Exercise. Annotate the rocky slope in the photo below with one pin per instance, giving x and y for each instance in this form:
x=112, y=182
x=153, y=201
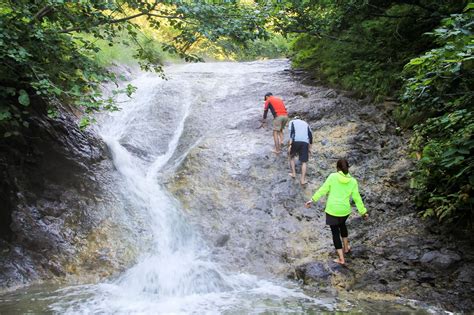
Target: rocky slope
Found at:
x=395, y=252
x=240, y=196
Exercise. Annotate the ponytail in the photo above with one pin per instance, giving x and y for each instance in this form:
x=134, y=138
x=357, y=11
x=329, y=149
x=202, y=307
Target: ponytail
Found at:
x=343, y=166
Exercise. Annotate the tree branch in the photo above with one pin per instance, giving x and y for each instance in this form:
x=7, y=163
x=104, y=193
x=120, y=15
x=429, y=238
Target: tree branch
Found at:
x=41, y=13
x=173, y=17
x=78, y=28
x=115, y=21
x=313, y=33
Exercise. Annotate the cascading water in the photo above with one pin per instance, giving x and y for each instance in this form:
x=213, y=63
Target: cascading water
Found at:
x=176, y=275
x=175, y=265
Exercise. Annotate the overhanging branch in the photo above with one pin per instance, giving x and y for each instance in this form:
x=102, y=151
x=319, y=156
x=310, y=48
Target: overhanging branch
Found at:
x=114, y=21
x=41, y=13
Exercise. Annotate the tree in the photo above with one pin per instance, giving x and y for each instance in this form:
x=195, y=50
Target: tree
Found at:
x=46, y=57
x=361, y=45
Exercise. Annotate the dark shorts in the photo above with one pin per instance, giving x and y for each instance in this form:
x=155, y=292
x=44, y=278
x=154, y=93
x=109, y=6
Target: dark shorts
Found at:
x=301, y=149
x=332, y=220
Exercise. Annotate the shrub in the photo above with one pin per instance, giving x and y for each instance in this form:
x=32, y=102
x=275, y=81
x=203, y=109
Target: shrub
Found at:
x=438, y=98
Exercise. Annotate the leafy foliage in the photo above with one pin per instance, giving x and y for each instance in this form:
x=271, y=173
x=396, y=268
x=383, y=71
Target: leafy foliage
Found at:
x=275, y=47
x=47, y=47
x=438, y=97
x=361, y=45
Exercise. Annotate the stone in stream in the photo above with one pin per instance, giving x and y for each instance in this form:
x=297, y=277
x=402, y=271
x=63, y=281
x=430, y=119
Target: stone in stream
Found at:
x=324, y=274
x=222, y=240
x=313, y=272
x=331, y=94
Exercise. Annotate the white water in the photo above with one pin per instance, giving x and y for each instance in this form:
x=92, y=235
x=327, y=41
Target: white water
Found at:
x=176, y=275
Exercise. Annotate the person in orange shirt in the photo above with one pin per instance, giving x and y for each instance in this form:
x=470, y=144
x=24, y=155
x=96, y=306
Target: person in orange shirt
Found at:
x=280, y=118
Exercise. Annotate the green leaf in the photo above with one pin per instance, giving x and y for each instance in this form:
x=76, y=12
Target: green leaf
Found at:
x=84, y=123
x=5, y=114
x=470, y=6
x=416, y=61
x=23, y=98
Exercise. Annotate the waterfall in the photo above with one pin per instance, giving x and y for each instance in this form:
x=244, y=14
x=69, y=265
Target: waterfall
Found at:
x=176, y=275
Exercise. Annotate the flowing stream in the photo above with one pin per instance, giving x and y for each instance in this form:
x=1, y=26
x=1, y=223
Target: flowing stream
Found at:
x=176, y=275
x=176, y=272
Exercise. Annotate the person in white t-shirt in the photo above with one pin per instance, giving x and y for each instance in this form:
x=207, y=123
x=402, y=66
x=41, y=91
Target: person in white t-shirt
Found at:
x=300, y=143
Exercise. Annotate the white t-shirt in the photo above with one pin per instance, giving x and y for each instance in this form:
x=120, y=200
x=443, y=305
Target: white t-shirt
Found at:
x=300, y=131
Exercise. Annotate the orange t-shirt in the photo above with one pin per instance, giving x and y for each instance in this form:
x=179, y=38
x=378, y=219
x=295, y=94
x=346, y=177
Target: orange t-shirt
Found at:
x=276, y=106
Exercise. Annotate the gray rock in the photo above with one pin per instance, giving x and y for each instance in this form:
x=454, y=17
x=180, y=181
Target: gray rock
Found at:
x=411, y=274
x=313, y=272
x=466, y=274
x=436, y=259
x=331, y=94
x=222, y=240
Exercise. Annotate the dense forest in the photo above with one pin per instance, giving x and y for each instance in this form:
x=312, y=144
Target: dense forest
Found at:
x=416, y=51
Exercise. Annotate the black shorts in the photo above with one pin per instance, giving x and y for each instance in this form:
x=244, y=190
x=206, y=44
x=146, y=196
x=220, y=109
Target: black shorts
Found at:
x=301, y=149
x=332, y=220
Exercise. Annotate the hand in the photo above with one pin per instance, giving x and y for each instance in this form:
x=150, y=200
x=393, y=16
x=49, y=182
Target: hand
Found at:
x=308, y=204
x=365, y=216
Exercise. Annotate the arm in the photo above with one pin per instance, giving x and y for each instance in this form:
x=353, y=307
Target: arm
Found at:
x=320, y=192
x=265, y=110
x=292, y=132
x=290, y=141
x=358, y=201
x=310, y=136
x=323, y=190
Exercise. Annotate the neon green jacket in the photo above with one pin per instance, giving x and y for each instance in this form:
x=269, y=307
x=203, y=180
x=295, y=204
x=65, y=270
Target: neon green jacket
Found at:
x=340, y=188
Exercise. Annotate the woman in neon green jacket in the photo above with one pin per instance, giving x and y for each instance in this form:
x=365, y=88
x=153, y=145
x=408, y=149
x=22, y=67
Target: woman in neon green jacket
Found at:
x=341, y=186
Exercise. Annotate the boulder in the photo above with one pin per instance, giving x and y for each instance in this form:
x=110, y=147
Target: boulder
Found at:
x=439, y=260
x=313, y=272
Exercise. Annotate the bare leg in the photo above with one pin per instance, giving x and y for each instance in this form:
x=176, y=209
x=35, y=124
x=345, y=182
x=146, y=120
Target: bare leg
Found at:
x=277, y=141
x=303, y=173
x=340, y=254
x=281, y=138
x=293, y=167
x=345, y=245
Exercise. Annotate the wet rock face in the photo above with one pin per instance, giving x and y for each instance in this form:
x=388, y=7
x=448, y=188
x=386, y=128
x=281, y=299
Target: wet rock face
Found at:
x=53, y=204
x=231, y=184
